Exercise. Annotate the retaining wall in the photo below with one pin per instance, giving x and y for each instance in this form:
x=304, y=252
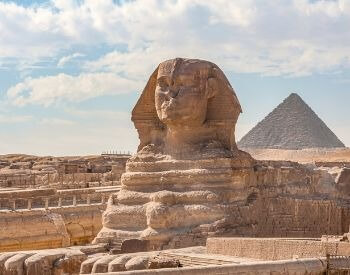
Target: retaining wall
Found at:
x=51, y=228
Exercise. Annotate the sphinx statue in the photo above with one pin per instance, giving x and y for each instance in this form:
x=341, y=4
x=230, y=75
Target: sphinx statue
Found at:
x=187, y=170
x=189, y=181
x=187, y=105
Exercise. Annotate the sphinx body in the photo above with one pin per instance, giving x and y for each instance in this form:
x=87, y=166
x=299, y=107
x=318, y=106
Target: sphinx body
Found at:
x=188, y=171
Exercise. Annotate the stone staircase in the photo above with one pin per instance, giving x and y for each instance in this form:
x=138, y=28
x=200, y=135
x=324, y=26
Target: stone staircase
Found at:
x=116, y=246
x=192, y=261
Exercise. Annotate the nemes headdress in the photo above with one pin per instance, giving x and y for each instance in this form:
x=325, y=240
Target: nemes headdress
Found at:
x=222, y=111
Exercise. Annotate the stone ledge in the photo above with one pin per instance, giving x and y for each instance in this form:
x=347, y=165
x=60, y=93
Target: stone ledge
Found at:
x=276, y=249
x=296, y=267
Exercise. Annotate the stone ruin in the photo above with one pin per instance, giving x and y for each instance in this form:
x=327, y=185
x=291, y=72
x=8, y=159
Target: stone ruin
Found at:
x=291, y=125
x=182, y=175
x=54, y=202
x=25, y=171
x=189, y=182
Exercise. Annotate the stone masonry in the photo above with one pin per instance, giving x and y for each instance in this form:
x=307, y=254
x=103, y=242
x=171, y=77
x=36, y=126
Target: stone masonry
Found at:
x=291, y=125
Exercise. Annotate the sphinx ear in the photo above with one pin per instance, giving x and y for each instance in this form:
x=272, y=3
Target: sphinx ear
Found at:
x=212, y=87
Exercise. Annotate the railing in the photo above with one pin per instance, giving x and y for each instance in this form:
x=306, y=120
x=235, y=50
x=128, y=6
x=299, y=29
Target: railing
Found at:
x=52, y=202
x=116, y=153
x=337, y=264
x=63, y=180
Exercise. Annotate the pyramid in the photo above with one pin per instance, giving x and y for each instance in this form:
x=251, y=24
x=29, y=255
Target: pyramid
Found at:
x=291, y=125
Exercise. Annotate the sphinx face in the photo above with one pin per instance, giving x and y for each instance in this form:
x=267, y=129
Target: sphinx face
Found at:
x=180, y=95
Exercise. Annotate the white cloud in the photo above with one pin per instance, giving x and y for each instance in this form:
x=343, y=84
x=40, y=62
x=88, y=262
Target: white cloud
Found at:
x=50, y=89
x=86, y=137
x=277, y=37
x=270, y=37
x=101, y=114
x=274, y=38
x=326, y=7
x=8, y=118
x=240, y=13
x=137, y=64
x=56, y=121
x=68, y=58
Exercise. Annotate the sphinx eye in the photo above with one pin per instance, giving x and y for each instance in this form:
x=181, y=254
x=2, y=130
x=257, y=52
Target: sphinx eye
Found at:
x=162, y=83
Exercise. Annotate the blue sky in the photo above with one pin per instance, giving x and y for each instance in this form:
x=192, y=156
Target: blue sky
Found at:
x=71, y=71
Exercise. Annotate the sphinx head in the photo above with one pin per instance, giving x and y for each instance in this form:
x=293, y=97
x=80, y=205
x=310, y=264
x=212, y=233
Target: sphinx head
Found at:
x=182, y=91
x=185, y=94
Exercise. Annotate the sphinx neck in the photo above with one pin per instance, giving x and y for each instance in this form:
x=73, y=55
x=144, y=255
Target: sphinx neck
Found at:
x=182, y=139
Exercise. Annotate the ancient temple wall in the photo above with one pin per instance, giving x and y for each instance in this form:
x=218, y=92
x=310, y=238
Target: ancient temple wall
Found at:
x=270, y=199
x=292, y=200
x=61, y=180
x=53, y=228
x=291, y=217
x=287, y=200
x=265, y=217
x=272, y=249
x=314, y=266
x=273, y=217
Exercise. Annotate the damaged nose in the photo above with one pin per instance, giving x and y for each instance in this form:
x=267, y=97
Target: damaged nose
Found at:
x=173, y=93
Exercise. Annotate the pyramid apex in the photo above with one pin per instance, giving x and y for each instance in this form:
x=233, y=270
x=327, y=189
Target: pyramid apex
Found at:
x=294, y=96
x=293, y=99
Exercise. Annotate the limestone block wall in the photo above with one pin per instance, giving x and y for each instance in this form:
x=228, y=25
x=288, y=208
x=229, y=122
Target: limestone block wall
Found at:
x=60, y=180
x=291, y=217
x=286, y=267
x=287, y=200
x=273, y=217
x=272, y=249
x=52, y=228
x=292, y=201
x=62, y=172
x=49, y=197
